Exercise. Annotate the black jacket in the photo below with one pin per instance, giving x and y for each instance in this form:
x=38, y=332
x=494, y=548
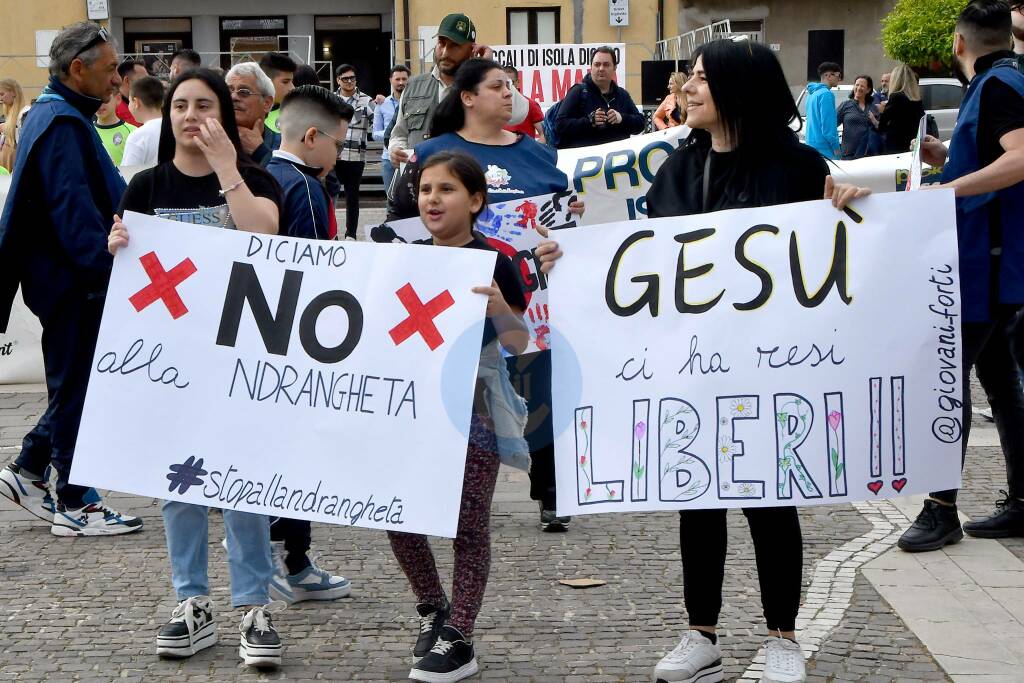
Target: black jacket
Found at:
x=899, y=122
x=574, y=123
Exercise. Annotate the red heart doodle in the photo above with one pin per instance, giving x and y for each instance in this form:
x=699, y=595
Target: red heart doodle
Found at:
x=875, y=486
x=898, y=484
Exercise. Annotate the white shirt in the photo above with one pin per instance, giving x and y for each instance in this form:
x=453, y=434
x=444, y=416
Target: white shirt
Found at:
x=143, y=144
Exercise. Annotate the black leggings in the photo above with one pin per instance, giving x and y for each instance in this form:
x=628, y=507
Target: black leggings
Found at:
x=778, y=548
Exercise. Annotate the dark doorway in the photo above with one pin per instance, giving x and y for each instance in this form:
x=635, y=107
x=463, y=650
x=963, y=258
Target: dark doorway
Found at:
x=355, y=39
x=824, y=46
x=153, y=39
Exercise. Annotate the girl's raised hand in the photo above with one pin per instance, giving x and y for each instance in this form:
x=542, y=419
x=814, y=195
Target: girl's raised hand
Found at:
x=217, y=147
x=118, y=236
x=496, y=304
x=548, y=252
x=577, y=208
x=842, y=194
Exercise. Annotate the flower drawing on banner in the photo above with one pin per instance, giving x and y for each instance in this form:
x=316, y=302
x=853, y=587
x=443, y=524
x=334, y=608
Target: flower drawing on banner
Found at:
x=584, y=469
x=639, y=431
x=740, y=407
x=835, y=418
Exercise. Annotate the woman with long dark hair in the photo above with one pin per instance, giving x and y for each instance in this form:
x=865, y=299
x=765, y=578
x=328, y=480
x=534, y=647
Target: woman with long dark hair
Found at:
x=859, y=118
x=204, y=178
x=741, y=154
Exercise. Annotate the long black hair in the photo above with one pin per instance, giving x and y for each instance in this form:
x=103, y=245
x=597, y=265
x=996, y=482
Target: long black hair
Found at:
x=462, y=166
x=871, y=88
x=227, y=113
x=450, y=115
x=755, y=110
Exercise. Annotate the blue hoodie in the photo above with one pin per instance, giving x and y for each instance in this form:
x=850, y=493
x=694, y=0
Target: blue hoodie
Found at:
x=822, y=131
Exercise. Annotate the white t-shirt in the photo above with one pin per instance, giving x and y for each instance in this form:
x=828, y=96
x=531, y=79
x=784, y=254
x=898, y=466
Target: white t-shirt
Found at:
x=143, y=144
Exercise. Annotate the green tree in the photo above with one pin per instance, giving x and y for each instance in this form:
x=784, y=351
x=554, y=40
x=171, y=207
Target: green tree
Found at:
x=919, y=32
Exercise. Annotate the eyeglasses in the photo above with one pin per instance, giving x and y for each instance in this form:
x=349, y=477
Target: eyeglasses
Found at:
x=242, y=92
x=338, y=144
x=101, y=37
x=346, y=79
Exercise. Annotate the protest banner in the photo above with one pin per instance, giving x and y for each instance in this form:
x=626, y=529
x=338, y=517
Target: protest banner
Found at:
x=546, y=72
x=21, y=358
x=511, y=228
x=613, y=179
x=787, y=355
x=286, y=377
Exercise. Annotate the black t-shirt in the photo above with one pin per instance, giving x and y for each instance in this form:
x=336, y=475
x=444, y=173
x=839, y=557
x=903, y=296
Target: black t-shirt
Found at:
x=1001, y=111
x=508, y=283
x=795, y=173
x=166, y=192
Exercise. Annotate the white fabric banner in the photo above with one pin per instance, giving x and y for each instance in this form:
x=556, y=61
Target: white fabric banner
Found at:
x=546, y=72
x=21, y=359
x=511, y=228
x=286, y=377
x=613, y=178
x=789, y=355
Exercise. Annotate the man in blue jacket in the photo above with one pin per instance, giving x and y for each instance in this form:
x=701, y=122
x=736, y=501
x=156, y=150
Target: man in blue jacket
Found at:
x=53, y=243
x=821, y=124
x=597, y=110
x=985, y=167
x=313, y=123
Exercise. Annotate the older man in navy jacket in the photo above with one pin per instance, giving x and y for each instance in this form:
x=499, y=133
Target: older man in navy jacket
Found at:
x=53, y=237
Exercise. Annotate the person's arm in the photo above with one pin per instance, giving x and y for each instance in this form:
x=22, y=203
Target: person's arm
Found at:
x=1002, y=173
x=632, y=119
x=399, y=140
x=250, y=213
x=378, y=124
x=661, y=114
x=572, y=121
x=80, y=227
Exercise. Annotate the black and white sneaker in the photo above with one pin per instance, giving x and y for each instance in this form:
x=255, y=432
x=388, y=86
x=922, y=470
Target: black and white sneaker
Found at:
x=451, y=659
x=551, y=523
x=260, y=645
x=432, y=620
x=95, y=519
x=30, y=493
x=190, y=629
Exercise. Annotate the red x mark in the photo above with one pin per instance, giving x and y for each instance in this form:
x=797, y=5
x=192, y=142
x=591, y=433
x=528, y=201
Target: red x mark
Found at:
x=163, y=285
x=421, y=317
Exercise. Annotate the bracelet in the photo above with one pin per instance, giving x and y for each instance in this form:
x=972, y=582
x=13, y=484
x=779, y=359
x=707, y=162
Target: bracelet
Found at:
x=224, y=192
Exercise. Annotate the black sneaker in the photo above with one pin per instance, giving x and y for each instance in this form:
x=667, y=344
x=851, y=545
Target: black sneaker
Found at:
x=190, y=629
x=260, y=645
x=451, y=659
x=551, y=522
x=936, y=526
x=431, y=621
x=1007, y=522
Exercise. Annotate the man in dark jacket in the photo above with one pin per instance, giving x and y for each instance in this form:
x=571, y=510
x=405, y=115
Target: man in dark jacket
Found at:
x=53, y=243
x=314, y=123
x=597, y=110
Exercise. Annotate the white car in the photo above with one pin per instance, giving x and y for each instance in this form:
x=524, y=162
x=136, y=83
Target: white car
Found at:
x=940, y=96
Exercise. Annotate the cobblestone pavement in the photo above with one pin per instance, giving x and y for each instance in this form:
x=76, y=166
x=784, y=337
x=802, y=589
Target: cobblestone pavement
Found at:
x=88, y=609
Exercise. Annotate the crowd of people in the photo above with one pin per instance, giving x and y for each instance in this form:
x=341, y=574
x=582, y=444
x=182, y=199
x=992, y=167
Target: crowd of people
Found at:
x=265, y=149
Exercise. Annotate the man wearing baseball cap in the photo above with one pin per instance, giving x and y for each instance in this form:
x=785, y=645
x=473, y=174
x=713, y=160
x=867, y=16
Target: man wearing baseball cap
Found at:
x=456, y=42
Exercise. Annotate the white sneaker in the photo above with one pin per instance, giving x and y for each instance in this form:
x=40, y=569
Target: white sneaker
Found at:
x=279, y=588
x=31, y=494
x=694, y=660
x=260, y=645
x=190, y=629
x=95, y=519
x=314, y=583
x=784, y=662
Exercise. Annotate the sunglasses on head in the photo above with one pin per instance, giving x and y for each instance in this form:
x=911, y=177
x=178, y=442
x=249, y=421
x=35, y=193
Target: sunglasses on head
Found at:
x=101, y=37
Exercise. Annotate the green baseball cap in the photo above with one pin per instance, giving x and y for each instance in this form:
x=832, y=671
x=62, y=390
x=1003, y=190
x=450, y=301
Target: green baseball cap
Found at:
x=457, y=28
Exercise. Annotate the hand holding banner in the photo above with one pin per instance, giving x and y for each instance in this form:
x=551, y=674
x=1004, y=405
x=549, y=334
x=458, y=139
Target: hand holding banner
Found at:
x=284, y=376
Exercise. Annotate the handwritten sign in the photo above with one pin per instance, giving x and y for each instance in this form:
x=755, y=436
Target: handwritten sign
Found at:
x=511, y=228
x=284, y=376
x=790, y=355
x=546, y=72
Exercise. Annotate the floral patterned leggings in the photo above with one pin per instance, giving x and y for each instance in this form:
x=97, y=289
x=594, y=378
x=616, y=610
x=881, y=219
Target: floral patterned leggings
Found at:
x=472, y=541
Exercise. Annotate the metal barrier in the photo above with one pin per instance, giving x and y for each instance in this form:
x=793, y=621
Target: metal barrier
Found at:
x=419, y=61
x=682, y=46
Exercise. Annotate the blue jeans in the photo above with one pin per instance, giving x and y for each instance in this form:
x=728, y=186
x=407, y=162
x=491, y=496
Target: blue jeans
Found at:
x=249, y=561
x=387, y=171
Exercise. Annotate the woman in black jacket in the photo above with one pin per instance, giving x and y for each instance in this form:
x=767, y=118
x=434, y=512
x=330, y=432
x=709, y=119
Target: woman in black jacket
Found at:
x=903, y=111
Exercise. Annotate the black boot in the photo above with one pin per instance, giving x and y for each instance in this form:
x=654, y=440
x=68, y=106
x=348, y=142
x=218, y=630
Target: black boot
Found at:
x=936, y=526
x=1007, y=522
